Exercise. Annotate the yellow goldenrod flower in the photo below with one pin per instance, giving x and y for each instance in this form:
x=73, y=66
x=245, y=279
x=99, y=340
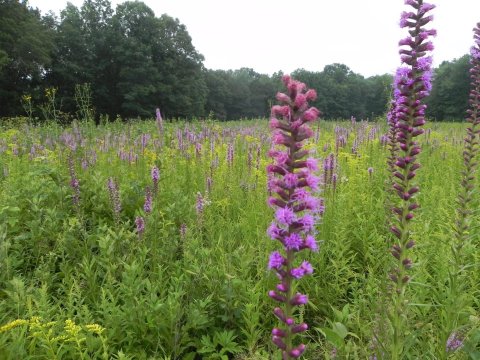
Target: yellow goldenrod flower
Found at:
x=49, y=324
x=95, y=328
x=13, y=324
x=71, y=328
x=60, y=338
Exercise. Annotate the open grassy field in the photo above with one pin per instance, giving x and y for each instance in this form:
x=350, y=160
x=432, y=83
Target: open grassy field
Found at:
x=89, y=271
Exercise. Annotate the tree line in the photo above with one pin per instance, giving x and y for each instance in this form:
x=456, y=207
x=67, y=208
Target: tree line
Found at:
x=134, y=61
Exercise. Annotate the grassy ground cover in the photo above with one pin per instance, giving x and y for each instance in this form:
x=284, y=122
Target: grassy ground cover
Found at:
x=78, y=280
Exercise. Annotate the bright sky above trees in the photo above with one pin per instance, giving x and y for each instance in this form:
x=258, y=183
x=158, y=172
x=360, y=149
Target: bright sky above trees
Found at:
x=360, y=34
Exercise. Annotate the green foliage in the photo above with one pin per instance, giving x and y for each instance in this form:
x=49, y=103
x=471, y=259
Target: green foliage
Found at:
x=342, y=93
x=219, y=346
x=26, y=44
x=83, y=99
x=136, y=62
x=202, y=293
x=449, y=97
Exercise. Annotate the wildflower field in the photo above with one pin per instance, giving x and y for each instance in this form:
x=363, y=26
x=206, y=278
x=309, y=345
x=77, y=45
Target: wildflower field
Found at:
x=185, y=240
x=81, y=279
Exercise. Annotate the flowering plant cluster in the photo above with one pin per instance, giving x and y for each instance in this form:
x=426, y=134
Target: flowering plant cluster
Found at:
x=114, y=194
x=148, y=203
x=470, y=151
x=296, y=210
x=462, y=229
x=412, y=84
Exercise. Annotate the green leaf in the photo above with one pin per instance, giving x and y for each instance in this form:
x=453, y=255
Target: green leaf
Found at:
x=332, y=337
x=340, y=330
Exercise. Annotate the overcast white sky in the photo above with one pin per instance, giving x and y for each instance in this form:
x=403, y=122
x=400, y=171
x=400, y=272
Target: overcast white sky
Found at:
x=272, y=35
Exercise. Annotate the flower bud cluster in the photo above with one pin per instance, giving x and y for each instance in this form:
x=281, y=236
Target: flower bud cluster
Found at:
x=471, y=143
x=292, y=181
x=412, y=84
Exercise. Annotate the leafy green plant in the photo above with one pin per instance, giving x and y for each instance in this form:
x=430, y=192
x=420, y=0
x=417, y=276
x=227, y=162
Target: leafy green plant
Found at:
x=219, y=346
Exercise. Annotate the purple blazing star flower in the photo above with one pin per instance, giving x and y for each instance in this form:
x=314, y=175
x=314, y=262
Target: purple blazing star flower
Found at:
x=140, y=224
x=155, y=173
x=307, y=221
x=200, y=204
x=74, y=182
x=412, y=83
x=475, y=53
x=292, y=184
x=147, y=206
x=454, y=342
x=293, y=241
x=311, y=243
x=285, y=216
x=276, y=261
x=114, y=194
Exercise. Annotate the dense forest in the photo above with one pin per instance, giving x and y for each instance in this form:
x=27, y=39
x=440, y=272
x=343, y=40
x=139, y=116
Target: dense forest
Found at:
x=127, y=61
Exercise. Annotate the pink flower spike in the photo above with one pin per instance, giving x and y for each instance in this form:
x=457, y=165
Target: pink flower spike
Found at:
x=278, y=110
x=312, y=164
x=311, y=114
x=298, y=351
x=274, y=123
x=297, y=124
x=272, y=202
x=312, y=181
x=300, y=100
x=281, y=158
x=299, y=299
x=291, y=184
x=299, y=328
x=280, y=139
x=278, y=332
x=283, y=97
x=286, y=79
x=297, y=273
x=279, y=342
x=311, y=95
x=290, y=180
x=278, y=312
x=277, y=297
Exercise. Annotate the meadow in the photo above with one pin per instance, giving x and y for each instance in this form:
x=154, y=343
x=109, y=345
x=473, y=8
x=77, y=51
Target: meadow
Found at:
x=80, y=278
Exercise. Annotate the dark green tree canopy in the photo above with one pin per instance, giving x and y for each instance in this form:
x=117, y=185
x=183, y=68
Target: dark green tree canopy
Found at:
x=135, y=62
x=449, y=97
x=26, y=44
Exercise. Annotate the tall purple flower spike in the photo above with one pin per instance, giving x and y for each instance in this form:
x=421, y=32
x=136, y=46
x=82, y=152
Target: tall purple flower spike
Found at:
x=411, y=85
x=155, y=172
x=462, y=228
x=470, y=150
x=292, y=182
x=474, y=101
